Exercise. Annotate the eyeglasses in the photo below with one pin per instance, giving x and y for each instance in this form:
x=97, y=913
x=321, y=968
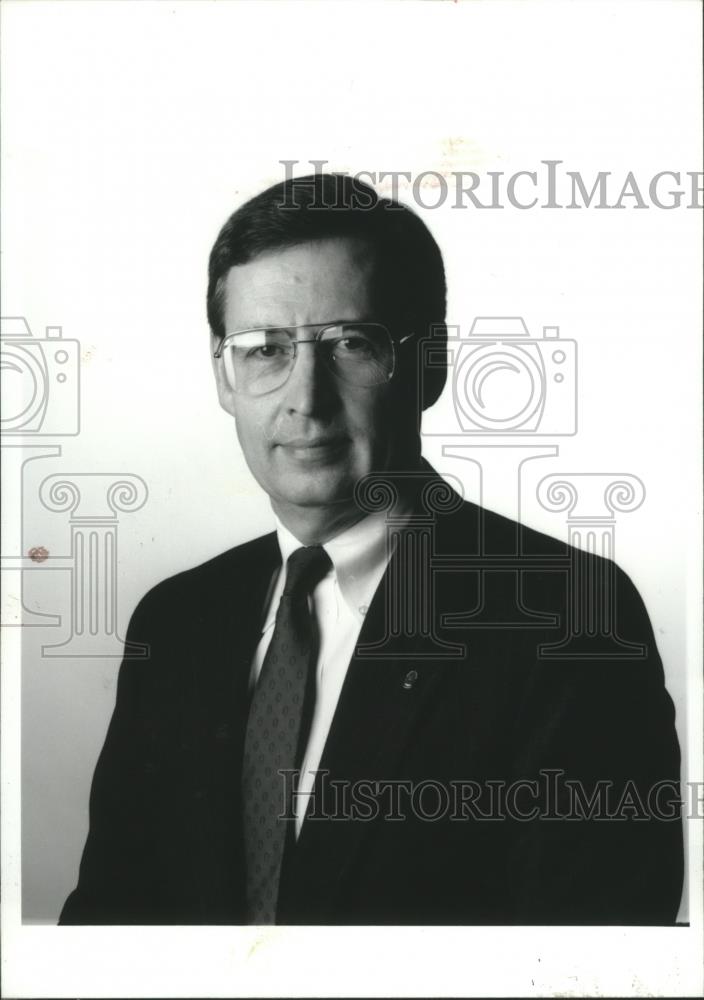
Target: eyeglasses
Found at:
x=260, y=361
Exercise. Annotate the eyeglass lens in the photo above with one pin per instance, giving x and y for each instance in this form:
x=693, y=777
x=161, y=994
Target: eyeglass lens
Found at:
x=259, y=361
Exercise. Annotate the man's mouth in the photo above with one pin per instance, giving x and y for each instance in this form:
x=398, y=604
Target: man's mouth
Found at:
x=320, y=448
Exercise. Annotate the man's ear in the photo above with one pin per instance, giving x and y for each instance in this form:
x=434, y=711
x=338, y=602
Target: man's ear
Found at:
x=432, y=366
x=226, y=394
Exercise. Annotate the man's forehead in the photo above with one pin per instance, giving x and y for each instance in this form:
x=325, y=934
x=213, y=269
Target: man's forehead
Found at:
x=332, y=274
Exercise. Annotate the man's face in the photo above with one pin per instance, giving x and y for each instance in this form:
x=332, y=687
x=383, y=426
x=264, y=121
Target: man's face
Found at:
x=308, y=442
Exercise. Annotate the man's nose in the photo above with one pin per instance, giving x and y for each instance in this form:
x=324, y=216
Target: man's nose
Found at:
x=309, y=387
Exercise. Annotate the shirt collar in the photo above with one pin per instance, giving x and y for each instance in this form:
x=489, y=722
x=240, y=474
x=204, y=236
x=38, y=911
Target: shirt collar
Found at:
x=359, y=557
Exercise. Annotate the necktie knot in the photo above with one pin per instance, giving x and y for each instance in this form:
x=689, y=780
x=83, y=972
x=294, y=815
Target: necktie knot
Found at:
x=305, y=568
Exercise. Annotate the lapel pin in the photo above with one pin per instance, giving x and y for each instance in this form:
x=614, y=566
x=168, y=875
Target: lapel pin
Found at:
x=410, y=679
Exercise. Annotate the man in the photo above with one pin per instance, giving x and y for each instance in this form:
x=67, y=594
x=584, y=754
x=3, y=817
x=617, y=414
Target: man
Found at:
x=329, y=728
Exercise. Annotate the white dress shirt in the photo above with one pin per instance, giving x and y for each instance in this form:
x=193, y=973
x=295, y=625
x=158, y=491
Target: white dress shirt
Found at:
x=359, y=559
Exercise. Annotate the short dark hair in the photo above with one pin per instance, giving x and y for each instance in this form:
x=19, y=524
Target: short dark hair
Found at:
x=321, y=206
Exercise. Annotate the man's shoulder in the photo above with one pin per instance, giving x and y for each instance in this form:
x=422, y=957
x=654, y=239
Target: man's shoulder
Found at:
x=480, y=528
x=226, y=571
x=462, y=526
x=496, y=543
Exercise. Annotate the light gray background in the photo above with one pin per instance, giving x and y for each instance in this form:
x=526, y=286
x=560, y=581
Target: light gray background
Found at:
x=131, y=132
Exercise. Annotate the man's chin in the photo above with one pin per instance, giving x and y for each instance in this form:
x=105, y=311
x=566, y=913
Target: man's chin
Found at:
x=315, y=476
x=316, y=497
x=319, y=487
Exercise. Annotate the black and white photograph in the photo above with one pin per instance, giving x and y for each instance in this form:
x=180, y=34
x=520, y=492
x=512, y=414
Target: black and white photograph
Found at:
x=352, y=498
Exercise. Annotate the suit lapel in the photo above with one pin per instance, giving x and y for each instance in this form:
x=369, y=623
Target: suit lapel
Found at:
x=227, y=636
x=222, y=648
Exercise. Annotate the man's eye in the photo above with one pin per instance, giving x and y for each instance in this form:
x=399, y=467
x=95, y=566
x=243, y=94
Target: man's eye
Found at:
x=353, y=345
x=267, y=351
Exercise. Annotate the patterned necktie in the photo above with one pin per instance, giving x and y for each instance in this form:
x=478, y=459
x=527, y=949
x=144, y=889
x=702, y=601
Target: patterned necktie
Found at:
x=279, y=717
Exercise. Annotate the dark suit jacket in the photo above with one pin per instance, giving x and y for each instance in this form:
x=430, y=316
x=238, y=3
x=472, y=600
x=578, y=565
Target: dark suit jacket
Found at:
x=509, y=704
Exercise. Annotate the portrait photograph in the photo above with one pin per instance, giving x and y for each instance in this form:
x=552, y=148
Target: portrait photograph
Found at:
x=352, y=498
